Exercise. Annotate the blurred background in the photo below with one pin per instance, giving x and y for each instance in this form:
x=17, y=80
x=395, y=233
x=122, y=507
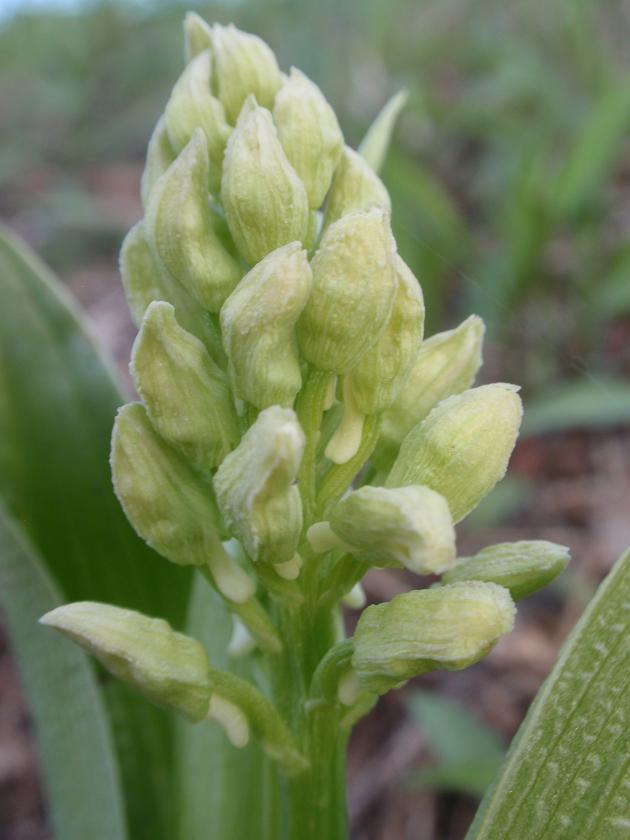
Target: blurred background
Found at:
x=510, y=183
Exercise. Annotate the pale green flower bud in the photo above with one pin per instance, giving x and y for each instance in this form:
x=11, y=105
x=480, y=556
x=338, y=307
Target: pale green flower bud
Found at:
x=258, y=322
x=186, y=395
x=446, y=364
x=179, y=229
x=354, y=285
x=309, y=133
x=407, y=526
x=449, y=628
x=380, y=373
x=522, y=567
x=355, y=186
x=169, y=668
x=160, y=155
x=197, y=35
x=169, y=505
x=145, y=279
x=265, y=201
x=463, y=447
x=256, y=490
x=191, y=106
x=243, y=64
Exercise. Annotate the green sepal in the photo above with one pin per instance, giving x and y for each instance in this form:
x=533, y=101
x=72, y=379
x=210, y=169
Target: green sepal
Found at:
x=354, y=285
x=445, y=364
x=167, y=502
x=309, y=132
x=407, y=526
x=523, y=567
x=169, y=668
x=448, y=628
x=185, y=393
x=191, y=106
x=243, y=65
x=265, y=202
x=256, y=490
x=181, y=232
x=462, y=448
x=355, y=186
x=383, y=370
x=258, y=323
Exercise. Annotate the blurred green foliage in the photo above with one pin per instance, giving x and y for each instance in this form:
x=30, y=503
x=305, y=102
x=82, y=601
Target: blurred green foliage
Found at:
x=509, y=174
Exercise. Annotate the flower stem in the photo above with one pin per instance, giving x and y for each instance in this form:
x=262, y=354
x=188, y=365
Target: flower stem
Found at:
x=314, y=803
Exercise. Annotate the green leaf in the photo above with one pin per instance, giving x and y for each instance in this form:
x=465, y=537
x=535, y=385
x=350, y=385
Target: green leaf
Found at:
x=58, y=398
x=75, y=744
x=591, y=403
x=594, y=152
x=216, y=781
x=567, y=771
x=472, y=777
x=376, y=142
x=467, y=751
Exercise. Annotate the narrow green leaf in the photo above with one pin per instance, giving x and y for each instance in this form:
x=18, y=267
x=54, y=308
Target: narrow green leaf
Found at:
x=594, y=152
x=590, y=403
x=75, y=744
x=376, y=142
x=471, y=777
x=454, y=734
x=58, y=398
x=567, y=773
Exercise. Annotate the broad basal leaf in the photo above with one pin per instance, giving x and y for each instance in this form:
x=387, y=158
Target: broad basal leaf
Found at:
x=58, y=399
x=69, y=716
x=567, y=773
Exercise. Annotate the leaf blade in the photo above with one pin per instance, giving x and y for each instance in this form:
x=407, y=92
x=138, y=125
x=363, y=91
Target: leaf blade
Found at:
x=58, y=398
x=75, y=743
x=374, y=146
x=560, y=778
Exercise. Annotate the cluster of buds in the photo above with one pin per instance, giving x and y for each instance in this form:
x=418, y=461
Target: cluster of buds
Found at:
x=294, y=428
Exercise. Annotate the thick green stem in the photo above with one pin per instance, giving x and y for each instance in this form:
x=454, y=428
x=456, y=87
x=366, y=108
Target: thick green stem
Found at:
x=314, y=801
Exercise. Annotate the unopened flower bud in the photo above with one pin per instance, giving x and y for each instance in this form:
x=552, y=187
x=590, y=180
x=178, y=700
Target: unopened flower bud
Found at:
x=169, y=505
x=354, y=285
x=258, y=322
x=462, y=448
x=522, y=567
x=169, y=668
x=243, y=64
x=179, y=228
x=265, y=202
x=187, y=396
x=309, y=133
x=446, y=364
x=380, y=373
x=450, y=628
x=256, y=490
x=406, y=526
x=355, y=186
x=197, y=35
x=192, y=105
x=145, y=279
x=160, y=155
